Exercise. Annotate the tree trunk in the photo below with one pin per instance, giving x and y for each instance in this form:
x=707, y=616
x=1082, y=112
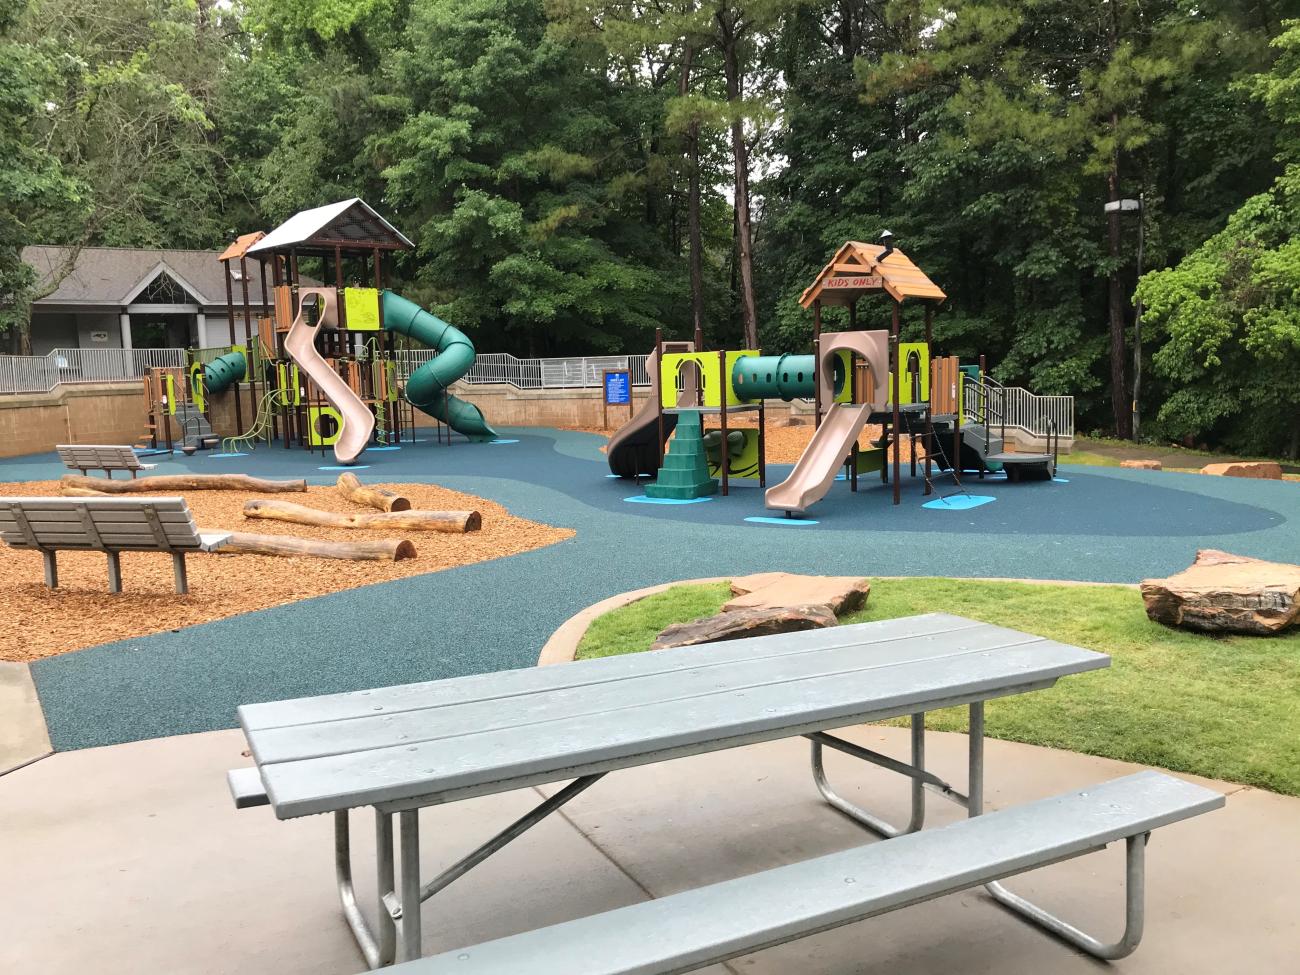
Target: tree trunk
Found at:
x=693, y=230
x=356, y=492
x=384, y=550
x=453, y=522
x=182, y=482
x=1121, y=407
x=729, y=42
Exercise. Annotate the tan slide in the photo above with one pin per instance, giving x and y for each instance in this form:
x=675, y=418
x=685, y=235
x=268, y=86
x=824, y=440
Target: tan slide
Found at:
x=358, y=423
x=821, y=460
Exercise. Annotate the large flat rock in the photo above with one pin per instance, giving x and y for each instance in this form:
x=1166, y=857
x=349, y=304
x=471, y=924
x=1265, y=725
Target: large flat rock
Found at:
x=1225, y=593
x=773, y=590
x=1265, y=470
x=759, y=621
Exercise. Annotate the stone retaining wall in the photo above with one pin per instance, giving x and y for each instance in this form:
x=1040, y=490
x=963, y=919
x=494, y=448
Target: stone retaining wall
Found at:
x=111, y=413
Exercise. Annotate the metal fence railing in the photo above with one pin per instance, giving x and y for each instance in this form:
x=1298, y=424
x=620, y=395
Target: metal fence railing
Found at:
x=40, y=374
x=576, y=372
x=991, y=403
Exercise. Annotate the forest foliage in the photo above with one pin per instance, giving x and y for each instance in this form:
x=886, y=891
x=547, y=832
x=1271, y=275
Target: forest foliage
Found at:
x=578, y=173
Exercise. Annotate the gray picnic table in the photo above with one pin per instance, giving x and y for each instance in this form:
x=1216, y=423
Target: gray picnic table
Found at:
x=399, y=749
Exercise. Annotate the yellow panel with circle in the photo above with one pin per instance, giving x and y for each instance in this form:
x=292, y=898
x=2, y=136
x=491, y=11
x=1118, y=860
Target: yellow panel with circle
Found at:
x=914, y=363
x=315, y=416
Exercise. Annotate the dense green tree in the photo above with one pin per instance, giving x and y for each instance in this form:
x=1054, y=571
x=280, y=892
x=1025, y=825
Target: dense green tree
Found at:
x=31, y=179
x=1229, y=312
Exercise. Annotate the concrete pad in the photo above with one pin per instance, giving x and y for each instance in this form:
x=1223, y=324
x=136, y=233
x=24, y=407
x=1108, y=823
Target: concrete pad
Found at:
x=23, y=735
x=132, y=859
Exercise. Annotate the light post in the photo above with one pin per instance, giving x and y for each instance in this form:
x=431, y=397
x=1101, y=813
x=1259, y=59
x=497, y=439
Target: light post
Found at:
x=1135, y=206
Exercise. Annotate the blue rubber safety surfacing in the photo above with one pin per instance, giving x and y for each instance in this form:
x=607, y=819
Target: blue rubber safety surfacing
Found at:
x=1060, y=480
x=503, y=441
x=642, y=499
x=235, y=454
x=375, y=450
x=784, y=522
x=343, y=467
x=961, y=502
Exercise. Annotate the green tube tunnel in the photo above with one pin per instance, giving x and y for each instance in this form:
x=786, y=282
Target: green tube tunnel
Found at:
x=780, y=376
x=224, y=371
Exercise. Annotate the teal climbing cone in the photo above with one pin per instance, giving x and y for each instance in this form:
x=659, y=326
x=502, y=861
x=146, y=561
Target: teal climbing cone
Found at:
x=685, y=474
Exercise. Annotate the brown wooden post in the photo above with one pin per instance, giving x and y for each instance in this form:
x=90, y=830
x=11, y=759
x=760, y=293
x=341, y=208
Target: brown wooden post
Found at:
x=762, y=444
x=929, y=412
x=657, y=387
x=897, y=384
x=817, y=363
x=722, y=401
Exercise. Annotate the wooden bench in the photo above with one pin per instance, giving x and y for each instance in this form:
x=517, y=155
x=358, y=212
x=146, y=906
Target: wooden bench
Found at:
x=108, y=525
x=101, y=457
x=707, y=925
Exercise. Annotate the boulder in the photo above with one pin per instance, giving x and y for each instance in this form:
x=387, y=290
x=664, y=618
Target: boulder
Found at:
x=1225, y=593
x=1264, y=469
x=839, y=594
x=735, y=625
x=1141, y=465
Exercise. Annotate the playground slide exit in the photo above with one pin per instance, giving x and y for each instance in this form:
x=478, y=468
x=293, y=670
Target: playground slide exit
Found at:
x=426, y=390
x=821, y=461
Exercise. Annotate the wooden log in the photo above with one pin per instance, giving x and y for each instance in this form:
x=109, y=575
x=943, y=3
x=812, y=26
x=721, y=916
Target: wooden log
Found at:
x=356, y=492
x=80, y=492
x=454, y=522
x=387, y=549
x=183, y=482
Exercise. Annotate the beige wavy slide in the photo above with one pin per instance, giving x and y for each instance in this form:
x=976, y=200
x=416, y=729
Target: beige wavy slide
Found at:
x=821, y=459
x=300, y=343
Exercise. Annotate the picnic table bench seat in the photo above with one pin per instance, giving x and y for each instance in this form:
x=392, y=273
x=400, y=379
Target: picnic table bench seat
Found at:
x=707, y=925
x=108, y=458
x=108, y=525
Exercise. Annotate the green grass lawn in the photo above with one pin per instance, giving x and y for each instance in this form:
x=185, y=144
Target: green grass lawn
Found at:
x=1227, y=708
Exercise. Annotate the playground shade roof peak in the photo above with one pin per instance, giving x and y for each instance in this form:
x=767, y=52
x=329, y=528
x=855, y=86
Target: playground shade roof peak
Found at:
x=349, y=224
x=241, y=245
x=858, y=269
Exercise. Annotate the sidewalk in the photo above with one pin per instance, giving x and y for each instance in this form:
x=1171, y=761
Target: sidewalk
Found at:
x=132, y=859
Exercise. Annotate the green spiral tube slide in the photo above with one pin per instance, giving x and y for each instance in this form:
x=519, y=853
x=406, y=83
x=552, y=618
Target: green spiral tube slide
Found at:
x=426, y=390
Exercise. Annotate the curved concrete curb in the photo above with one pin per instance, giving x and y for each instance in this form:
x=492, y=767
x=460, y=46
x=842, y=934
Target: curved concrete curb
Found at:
x=563, y=644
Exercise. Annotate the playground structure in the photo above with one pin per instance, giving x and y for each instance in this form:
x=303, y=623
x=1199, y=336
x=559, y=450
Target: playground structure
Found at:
x=854, y=378
x=324, y=370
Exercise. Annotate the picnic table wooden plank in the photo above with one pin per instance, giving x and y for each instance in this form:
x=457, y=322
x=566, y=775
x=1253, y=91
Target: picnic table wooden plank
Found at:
x=502, y=685
x=854, y=662
x=497, y=760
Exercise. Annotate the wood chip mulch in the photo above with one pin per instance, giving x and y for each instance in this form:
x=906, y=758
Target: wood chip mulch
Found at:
x=36, y=622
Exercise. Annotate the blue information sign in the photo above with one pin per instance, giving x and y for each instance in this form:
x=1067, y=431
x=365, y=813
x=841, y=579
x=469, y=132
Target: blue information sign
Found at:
x=618, y=387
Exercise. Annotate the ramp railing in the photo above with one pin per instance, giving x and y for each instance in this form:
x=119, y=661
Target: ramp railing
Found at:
x=1017, y=408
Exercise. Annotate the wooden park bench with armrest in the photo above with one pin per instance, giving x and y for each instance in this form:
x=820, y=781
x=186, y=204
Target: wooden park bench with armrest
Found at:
x=101, y=457
x=108, y=525
x=399, y=749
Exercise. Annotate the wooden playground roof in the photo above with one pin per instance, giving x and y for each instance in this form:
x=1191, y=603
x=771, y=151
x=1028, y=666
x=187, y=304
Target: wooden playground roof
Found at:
x=349, y=224
x=857, y=270
x=241, y=245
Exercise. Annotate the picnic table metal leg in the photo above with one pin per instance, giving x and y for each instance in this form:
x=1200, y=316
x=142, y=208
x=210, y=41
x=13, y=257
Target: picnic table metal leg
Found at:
x=382, y=950
x=51, y=568
x=1135, y=873
x=916, y=771
x=411, y=932
x=114, y=571
x=178, y=569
